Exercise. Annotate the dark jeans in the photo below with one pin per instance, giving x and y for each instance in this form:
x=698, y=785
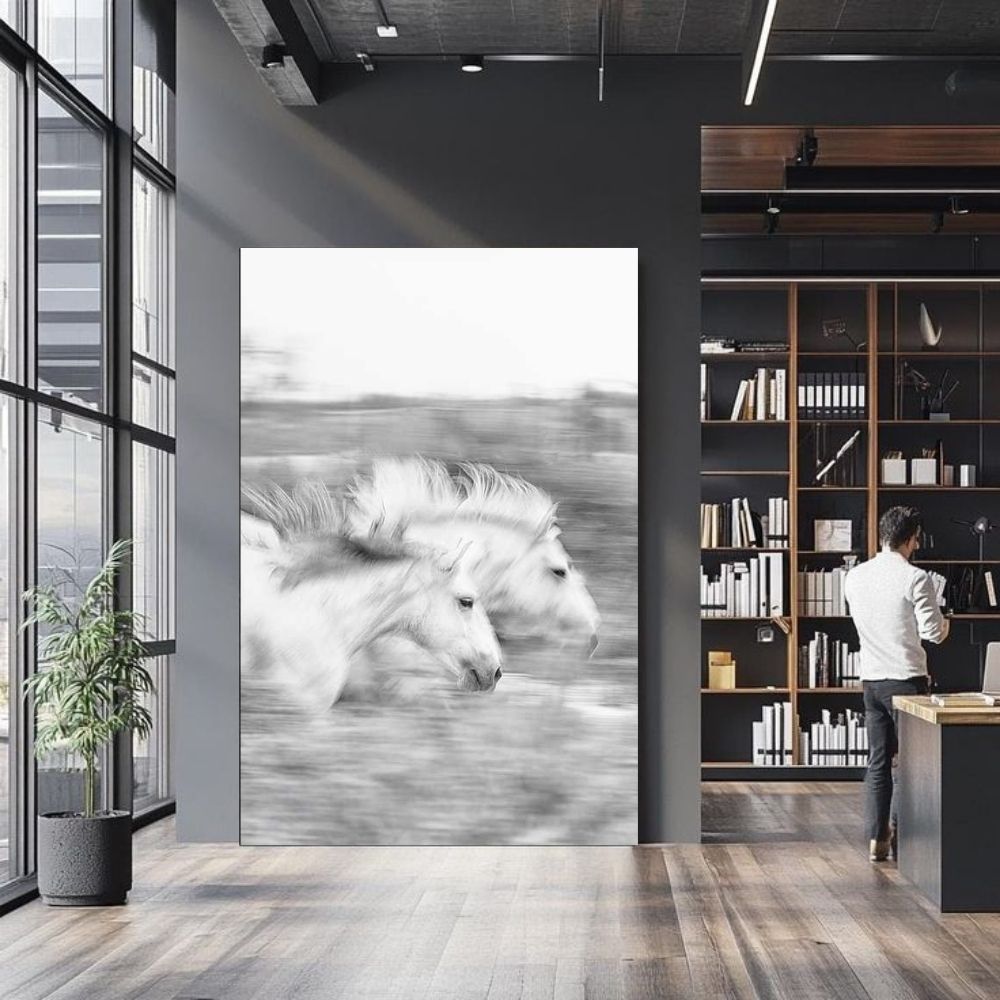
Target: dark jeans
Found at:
x=883, y=744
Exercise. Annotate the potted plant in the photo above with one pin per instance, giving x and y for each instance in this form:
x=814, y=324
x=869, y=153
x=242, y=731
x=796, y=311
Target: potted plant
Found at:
x=88, y=689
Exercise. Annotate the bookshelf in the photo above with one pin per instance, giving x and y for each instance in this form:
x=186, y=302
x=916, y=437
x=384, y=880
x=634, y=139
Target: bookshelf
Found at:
x=869, y=330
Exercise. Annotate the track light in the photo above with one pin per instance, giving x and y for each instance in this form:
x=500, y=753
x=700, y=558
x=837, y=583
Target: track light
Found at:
x=759, y=30
x=273, y=56
x=772, y=216
x=808, y=149
x=366, y=61
x=472, y=64
x=956, y=207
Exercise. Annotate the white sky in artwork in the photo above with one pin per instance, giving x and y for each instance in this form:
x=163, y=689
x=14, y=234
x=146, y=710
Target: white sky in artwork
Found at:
x=482, y=323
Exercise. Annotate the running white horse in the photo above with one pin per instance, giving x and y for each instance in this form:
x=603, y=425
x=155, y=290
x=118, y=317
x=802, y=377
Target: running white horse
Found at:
x=314, y=596
x=524, y=575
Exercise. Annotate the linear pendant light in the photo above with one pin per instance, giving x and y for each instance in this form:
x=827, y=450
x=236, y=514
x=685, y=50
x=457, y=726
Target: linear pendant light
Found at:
x=758, y=32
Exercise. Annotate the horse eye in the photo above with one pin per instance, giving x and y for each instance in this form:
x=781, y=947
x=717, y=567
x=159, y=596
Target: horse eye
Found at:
x=559, y=572
x=466, y=602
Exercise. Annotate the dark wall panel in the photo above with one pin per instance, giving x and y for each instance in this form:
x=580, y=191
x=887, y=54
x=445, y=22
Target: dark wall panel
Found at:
x=421, y=155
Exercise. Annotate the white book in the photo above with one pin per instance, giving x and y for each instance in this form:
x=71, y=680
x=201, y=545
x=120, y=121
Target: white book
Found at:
x=861, y=395
x=758, y=755
x=741, y=395
x=751, y=530
x=776, y=580
x=762, y=395
x=768, y=720
x=787, y=742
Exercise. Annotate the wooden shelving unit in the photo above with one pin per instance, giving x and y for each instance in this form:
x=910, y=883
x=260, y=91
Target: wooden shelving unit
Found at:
x=881, y=316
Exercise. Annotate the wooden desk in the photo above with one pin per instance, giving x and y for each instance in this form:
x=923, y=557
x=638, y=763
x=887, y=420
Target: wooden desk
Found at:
x=948, y=802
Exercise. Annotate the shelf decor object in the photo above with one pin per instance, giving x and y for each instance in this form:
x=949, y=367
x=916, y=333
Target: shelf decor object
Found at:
x=833, y=535
x=930, y=336
x=721, y=670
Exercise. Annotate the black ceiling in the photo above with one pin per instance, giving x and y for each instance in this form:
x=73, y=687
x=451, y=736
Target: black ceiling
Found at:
x=339, y=29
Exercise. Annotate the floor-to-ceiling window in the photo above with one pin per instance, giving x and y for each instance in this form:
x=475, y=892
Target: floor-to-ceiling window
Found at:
x=86, y=364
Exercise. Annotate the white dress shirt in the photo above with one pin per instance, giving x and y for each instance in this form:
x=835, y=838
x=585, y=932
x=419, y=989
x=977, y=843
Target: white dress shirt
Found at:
x=894, y=606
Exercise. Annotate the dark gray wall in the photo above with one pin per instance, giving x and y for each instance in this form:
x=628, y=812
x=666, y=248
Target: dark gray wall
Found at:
x=421, y=155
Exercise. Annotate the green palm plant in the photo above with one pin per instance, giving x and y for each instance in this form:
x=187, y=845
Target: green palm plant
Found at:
x=91, y=678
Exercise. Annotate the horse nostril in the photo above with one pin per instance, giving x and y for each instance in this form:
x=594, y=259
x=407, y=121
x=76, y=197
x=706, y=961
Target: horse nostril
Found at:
x=497, y=675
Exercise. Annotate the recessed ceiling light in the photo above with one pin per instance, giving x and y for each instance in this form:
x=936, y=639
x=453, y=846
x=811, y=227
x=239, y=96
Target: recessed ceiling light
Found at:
x=386, y=31
x=472, y=64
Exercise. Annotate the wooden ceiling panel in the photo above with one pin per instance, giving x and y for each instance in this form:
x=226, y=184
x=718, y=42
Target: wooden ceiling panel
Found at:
x=754, y=158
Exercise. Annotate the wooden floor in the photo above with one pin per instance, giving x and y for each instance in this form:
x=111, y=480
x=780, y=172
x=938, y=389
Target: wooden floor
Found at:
x=780, y=901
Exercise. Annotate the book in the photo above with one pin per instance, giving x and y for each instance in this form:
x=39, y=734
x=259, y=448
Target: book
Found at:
x=741, y=396
x=972, y=699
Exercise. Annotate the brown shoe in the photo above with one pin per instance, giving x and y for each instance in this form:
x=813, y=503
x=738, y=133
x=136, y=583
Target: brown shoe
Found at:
x=878, y=850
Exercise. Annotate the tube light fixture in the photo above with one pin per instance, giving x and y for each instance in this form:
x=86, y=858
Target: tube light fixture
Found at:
x=761, y=18
x=386, y=31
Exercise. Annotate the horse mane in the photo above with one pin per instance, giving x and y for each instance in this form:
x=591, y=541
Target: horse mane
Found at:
x=316, y=534
x=502, y=496
x=306, y=511
x=399, y=491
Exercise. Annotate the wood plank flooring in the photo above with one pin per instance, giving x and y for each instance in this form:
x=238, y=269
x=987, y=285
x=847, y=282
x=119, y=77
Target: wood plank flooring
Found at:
x=779, y=902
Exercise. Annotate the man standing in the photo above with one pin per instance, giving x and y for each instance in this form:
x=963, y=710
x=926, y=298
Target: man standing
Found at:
x=894, y=607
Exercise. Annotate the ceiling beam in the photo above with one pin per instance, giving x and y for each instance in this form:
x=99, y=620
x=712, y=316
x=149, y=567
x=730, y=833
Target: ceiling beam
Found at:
x=257, y=23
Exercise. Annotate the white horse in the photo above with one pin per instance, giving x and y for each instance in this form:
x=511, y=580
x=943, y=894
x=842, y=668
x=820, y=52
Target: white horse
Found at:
x=313, y=597
x=524, y=575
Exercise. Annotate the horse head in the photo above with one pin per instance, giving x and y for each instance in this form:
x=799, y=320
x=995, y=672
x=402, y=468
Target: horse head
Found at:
x=448, y=619
x=541, y=592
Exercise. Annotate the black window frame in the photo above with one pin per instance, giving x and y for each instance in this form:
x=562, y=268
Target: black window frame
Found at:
x=121, y=155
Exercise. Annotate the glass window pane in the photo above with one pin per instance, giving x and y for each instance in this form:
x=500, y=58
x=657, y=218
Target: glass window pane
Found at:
x=152, y=271
x=12, y=11
x=153, y=532
x=71, y=539
x=153, y=86
x=70, y=549
x=152, y=399
x=73, y=37
x=10, y=147
x=9, y=525
x=151, y=756
x=70, y=255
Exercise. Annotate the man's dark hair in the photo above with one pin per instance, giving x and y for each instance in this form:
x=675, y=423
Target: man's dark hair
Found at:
x=898, y=525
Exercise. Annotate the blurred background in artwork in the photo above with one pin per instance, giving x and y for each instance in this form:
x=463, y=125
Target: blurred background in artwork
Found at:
x=522, y=359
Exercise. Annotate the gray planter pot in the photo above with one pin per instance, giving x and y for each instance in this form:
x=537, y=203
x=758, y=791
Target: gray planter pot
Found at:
x=84, y=862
